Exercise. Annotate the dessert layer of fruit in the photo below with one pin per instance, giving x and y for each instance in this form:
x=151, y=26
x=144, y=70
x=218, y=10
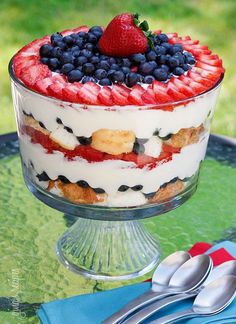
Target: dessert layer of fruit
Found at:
x=119, y=156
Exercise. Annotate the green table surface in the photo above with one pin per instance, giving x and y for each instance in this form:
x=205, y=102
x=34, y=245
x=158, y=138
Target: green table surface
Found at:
x=30, y=273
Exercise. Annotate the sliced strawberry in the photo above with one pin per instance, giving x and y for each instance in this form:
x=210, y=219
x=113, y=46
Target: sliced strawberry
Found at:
x=189, y=42
x=66, y=32
x=157, y=32
x=70, y=92
x=183, y=88
x=42, y=85
x=174, y=92
x=148, y=96
x=105, y=96
x=215, y=69
x=90, y=154
x=31, y=74
x=55, y=90
x=21, y=63
x=170, y=149
x=195, y=86
x=160, y=90
x=196, y=47
x=174, y=40
x=88, y=93
x=186, y=38
x=135, y=96
x=120, y=95
x=197, y=77
x=205, y=58
x=33, y=47
x=171, y=35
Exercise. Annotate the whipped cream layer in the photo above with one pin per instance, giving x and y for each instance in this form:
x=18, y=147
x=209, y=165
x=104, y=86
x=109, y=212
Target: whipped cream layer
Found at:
x=84, y=120
x=110, y=175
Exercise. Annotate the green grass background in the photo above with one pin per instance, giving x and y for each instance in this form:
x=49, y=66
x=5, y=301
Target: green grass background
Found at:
x=213, y=22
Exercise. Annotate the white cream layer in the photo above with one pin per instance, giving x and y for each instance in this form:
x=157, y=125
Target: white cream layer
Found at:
x=110, y=175
x=143, y=122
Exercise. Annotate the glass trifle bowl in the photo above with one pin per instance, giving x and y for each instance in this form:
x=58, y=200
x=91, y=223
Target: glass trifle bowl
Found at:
x=113, y=162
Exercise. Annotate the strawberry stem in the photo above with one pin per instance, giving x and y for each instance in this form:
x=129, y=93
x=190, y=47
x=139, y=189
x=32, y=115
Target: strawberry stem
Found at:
x=145, y=28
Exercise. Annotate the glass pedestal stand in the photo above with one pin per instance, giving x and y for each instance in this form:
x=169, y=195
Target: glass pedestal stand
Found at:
x=108, y=250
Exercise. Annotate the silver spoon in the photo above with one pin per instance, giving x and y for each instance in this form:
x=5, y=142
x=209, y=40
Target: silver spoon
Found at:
x=189, y=274
x=160, y=280
x=213, y=299
x=226, y=268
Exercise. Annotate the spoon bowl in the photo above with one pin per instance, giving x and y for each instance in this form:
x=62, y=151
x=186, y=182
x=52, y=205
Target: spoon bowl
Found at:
x=216, y=296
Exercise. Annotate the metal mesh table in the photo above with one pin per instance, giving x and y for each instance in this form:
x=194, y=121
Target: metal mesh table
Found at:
x=30, y=273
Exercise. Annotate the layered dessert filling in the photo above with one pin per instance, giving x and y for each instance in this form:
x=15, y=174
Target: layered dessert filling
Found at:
x=113, y=125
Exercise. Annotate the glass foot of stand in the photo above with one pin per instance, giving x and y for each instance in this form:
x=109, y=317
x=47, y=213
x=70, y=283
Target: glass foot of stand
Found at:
x=108, y=250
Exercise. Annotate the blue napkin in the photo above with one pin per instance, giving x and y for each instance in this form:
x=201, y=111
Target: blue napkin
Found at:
x=94, y=308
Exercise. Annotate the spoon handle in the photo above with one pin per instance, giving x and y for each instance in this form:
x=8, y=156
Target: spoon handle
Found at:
x=175, y=316
x=135, y=304
x=156, y=306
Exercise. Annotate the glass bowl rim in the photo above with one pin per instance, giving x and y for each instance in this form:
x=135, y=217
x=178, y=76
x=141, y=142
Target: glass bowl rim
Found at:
x=115, y=107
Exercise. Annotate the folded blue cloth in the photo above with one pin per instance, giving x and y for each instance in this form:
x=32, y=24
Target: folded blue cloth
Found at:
x=94, y=308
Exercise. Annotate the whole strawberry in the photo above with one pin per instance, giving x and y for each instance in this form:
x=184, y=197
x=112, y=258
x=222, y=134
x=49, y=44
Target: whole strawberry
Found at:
x=124, y=36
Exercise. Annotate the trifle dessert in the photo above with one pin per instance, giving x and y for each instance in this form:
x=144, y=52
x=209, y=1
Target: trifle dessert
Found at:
x=116, y=116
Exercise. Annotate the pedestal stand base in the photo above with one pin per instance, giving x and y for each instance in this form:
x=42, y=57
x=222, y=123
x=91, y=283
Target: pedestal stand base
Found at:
x=108, y=250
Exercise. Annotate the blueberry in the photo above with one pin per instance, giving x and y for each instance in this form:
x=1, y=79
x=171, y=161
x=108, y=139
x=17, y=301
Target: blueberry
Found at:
x=146, y=68
x=167, y=46
x=82, y=34
x=138, y=58
x=96, y=29
x=86, y=53
x=68, y=40
x=66, y=68
x=156, y=40
x=165, y=67
x=190, y=60
x=165, y=138
x=115, y=67
x=131, y=79
x=173, y=62
x=149, y=79
x=138, y=148
x=78, y=61
x=89, y=46
x=62, y=45
x=75, y=75
x=68, y=129
x=76, y=53
x=88, y=68
x=99, y=190
x=163, y=38
x=88, y=79
x=92, y=38
x=151, y=55
x=104, y=65
x=186, y=67
x=84, y=140
x=100, y=74
x=137, y=188
x=63, y=179
x=44, y=60
x=54, y=64
x=160, y=50
x=150, y=195
x=175, y=49
x=111, y=60
x=56, y=52
x=160, y=74
x=59, y=121
x=125, y=69
x=79, y=42
x=66, y=58
x=178, y=71
x=118, y=76
x=43, y=176
x=110, y=73
x=55, y=38
x=75, y=48
x=45, y=50
x=94, y=59
x=153, y=64
x=161, y=59
x=42, y=124
x=123, y=188
x=83, y=184
x=105, y=82
x=125, y=62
